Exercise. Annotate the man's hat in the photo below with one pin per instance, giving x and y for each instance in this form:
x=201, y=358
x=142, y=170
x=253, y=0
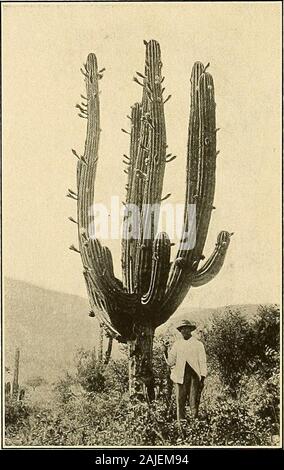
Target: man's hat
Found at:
x=184, y=322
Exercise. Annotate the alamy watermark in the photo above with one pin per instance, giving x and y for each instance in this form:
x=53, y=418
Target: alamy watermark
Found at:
x=131, y=222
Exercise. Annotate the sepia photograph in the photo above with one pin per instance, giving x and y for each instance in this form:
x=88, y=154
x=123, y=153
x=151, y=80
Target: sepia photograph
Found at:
x=141, y=225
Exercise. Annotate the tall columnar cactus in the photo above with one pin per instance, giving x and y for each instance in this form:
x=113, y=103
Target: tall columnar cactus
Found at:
x=15, y=389
x=152, y=286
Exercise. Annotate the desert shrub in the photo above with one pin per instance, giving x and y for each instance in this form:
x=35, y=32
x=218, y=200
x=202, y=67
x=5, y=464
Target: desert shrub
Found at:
x=45, y=427
x=229, y=422
x=228, y=346
x=116, y=375
x=90, y=372
x=265, y=337
x=91, y=377
x=16, y=412
x=62, y=388
x=35, y=381
x=163, y=382
x=237, y=346
x=261, y=389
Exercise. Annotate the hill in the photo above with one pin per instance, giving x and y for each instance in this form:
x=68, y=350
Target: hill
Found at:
x=49, y=327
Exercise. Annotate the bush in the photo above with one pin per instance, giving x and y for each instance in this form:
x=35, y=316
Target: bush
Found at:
x=228, y=423
x=35, y=381
x=265, y=337
x=91, y=377
x=116, y=375
x=16, y=412
x=261, y=390
x=237, y=346
x=90, y=371
x=62, y=388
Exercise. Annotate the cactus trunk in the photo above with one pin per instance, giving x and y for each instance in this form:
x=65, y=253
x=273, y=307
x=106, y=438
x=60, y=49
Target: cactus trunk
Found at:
x=152, y=286
x=140, y=353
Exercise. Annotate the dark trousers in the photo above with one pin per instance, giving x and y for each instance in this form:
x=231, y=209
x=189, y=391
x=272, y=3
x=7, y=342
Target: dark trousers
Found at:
x=190, y=389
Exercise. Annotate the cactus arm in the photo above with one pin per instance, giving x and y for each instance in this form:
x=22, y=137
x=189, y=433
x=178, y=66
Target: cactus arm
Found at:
x=192, y=166
x=86, y=174
x=86, y=168
x=119, y=307
x=153, y=149
x=213, y=265
x=109, y=286
x=203, y=165
x=155, y=120
x=134, y=197
x=173, y=299
x=197, y=278
x=160, y=271
x=114, y=318
x=97, y=305
x=103, y=288
x=206, y=187
x=107, y=259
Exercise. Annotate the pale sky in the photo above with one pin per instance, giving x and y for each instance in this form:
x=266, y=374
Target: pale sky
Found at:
x=44, y=47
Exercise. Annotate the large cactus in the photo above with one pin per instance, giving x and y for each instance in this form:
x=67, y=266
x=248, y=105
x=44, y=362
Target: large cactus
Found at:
x=152, y=286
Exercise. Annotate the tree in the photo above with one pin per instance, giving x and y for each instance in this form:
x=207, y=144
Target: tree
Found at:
x=237, y=345
x=35, y=381
x=152, y=287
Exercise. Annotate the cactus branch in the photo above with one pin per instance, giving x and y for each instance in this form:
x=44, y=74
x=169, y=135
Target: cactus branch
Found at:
x=213, y=265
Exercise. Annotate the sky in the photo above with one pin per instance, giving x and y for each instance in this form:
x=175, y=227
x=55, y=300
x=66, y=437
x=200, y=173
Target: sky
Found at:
x=43, y=48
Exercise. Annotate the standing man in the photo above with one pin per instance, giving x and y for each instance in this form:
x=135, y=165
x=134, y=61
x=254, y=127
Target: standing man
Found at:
x=187, y=360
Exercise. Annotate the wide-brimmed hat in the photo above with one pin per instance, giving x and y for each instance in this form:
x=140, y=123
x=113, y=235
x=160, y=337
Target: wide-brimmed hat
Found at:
x=184, y=322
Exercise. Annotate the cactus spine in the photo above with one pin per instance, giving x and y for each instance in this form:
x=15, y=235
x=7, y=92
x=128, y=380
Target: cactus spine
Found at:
x=152, y=287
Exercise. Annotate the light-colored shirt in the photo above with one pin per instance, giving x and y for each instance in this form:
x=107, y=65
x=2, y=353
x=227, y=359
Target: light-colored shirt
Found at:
x=183, y=351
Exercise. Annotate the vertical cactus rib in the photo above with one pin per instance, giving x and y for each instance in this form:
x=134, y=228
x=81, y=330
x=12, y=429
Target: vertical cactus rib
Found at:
x=213, y=265
x=134, y=196
x=160, y=271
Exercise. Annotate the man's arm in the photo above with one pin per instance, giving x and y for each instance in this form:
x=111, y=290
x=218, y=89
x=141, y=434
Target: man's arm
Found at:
x=202, y=363
x=170, y=356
